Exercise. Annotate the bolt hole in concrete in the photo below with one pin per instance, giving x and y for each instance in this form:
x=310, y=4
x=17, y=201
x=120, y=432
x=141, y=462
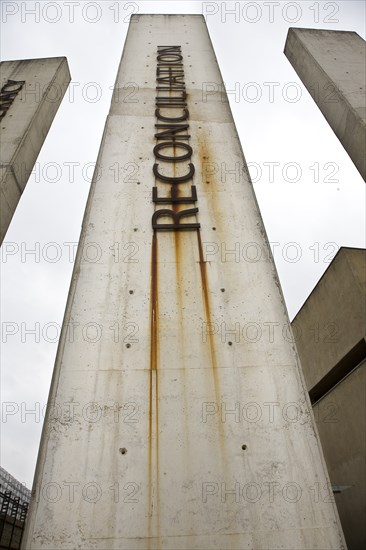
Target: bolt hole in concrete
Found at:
x=131, y=291
x=222, y=289
x=123, y=450
x=214, y=229
x=244, y=447
x=230, y=343
x=128, y=345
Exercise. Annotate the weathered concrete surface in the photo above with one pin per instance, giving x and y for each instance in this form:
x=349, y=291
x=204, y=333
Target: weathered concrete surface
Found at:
x=333, y=318
x=332, y=66
x=26, y=122
x=341, y=421
x=190, y=474
x=330, y=323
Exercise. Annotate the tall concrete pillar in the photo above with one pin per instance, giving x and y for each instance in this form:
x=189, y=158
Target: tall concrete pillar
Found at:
x=179, y=415
x=31, y=91
x=332, y=66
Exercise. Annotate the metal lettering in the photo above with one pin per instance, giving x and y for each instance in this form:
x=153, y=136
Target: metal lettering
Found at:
x=7, y=95
x=172, y=144
x=171, y=130
x=174, y=197
x=170, y=78
x=176, y=216
x=169, y=179
x=172, y=119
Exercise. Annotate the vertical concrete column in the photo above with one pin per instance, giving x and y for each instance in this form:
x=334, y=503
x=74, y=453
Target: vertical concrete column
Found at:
x=179, y=417
x=31, y=91
x=332, y=66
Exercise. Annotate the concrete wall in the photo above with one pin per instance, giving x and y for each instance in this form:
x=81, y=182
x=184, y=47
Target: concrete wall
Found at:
x=327, y=327
x=28, y=116
x=341, y=421
x=332, y=66
x=333, y=318
x=203, y=428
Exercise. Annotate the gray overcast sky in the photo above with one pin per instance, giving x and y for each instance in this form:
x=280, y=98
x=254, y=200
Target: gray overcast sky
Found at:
x=317, y=201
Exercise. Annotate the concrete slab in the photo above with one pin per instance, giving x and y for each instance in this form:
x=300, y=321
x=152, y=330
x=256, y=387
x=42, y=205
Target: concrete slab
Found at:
x=31, y=93
x=332, y=66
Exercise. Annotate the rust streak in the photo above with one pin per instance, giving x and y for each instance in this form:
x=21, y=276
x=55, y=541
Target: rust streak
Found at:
x=206, y=301
x=150, y=501
x=154, y=321
x=210, y=188
x=154, y=331
x=150, y=511
x=203, y=277
x=157, y=450
x=215, y=373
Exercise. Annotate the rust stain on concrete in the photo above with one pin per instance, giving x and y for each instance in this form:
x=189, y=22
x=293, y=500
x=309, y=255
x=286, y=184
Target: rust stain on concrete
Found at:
x=208, y=316
x=210, y=194
x=154, y=390
x=154, y=316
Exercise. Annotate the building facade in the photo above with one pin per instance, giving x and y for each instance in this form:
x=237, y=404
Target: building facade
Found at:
x=14, y=502
x=10, y=484
x=330, y=331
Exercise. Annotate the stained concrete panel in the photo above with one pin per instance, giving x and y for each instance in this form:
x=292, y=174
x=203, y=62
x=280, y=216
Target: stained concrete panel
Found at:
x=202, y=434
x=27, y=117
x=333, y=318
x=341, y=421
x=332, y=66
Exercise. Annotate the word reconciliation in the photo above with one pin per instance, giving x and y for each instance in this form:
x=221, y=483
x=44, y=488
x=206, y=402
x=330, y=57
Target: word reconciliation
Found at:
x=172, y=135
